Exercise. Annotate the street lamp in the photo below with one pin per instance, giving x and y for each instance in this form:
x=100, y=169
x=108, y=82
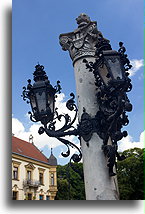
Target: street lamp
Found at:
x=112, y=82
x=41, y=96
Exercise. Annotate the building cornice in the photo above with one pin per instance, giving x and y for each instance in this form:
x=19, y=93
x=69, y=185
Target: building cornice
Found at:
x=28, y=159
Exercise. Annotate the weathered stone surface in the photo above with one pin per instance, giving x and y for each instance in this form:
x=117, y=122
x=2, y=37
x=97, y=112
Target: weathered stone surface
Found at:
x=82, y=41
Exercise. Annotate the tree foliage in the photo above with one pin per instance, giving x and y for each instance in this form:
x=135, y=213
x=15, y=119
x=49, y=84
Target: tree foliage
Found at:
x=70, y=182
x=130, y=174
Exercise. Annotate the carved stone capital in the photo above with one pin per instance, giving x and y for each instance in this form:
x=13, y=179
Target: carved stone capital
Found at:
x=82, y=41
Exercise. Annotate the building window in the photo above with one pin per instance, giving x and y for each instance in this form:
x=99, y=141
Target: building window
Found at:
x=41, y=197
x=15, y=173
x=28, y=174
x=15, y=195
x=47, y=197
x=41, y=175
x=29, y=171
x=52, y=179
x=41, y=178
x=15, y=170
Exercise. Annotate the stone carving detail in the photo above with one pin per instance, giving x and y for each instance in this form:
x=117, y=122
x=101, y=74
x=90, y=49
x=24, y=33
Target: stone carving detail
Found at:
x=82, y=41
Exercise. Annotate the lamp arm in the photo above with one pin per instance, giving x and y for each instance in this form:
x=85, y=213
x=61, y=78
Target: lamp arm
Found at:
x=68, y=124
x=70, y=104
x=75, y=157
x=58, y=133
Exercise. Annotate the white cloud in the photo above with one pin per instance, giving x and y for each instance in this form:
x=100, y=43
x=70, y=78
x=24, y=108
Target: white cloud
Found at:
x=136, y=65
x=40, y=141
x=128, y=143
x=17, y=127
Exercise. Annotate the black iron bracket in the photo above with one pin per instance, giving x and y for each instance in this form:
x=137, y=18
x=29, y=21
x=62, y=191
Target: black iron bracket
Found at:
x=113, y=104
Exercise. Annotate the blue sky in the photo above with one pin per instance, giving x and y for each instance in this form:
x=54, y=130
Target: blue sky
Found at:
x=36, y=25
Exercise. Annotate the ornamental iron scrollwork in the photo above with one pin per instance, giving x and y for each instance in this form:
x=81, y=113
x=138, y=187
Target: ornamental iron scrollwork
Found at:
x=49, y=126
x=67, y=129
x=112, y=101
x=113, y=104
x=87, y=126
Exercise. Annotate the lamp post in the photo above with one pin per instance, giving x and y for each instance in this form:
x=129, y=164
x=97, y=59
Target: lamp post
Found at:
x=101, y=82
x=100, y=73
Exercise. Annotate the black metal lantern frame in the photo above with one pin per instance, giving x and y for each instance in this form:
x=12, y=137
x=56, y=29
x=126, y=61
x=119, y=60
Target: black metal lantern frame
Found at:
x=112, y=83
x=41, y=96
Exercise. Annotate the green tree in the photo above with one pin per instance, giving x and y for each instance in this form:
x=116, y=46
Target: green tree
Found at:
x=130, y=174
x=70, y=182
x=63, y=189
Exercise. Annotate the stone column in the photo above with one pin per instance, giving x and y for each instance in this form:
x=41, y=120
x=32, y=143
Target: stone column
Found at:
x=81, y=45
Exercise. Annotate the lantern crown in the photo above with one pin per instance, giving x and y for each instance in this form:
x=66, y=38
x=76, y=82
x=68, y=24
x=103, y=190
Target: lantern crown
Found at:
x=39, y=73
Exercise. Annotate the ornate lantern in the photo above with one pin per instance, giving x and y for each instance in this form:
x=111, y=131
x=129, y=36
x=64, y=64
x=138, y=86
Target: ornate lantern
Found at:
x=41, y=96
x=109, y=67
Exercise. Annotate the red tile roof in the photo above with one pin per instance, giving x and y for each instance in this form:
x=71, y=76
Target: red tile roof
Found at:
x=27, y=149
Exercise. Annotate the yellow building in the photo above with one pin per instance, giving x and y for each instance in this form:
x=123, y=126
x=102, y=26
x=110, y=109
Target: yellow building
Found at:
x=33, y=175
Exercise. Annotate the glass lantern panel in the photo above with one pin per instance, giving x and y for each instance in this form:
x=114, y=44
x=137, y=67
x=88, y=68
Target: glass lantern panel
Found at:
x=33, y=102
x=115, y=67
x=41, y=101
x=104, y=74
x=50, y=102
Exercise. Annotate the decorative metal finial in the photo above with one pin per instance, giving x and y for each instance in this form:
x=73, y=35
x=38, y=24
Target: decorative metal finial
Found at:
x=39, y=73
x=124, y=58
x=51, y=150
x=31, y=139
